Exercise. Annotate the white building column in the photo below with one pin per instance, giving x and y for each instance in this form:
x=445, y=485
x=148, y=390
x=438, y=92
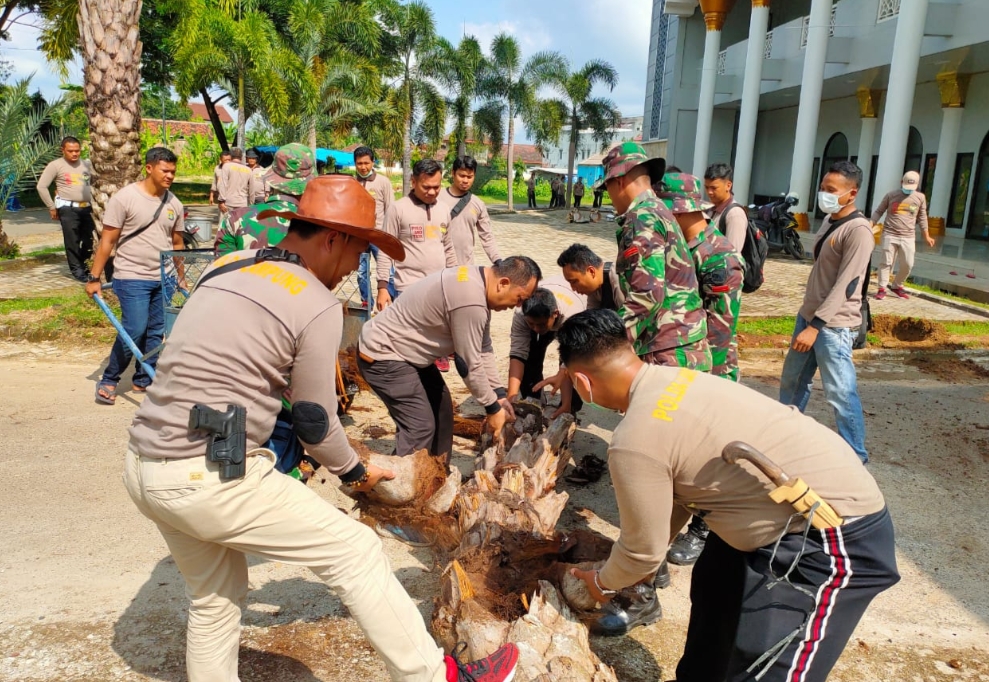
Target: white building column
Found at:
x=751, y=91
x=868, y=111
x=715, y=12
x=812, y=83
x=953, y=87
x=899, y=95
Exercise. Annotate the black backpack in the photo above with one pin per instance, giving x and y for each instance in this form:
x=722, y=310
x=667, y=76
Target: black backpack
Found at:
x=754, y=251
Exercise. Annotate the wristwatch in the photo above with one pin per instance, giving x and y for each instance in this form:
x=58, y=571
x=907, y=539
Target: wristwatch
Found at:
x=93, y=278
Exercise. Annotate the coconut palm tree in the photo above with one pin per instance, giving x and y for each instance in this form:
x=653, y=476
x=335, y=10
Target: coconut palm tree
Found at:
x=460, y=71
x=511, y=87
x=583, y=112
x=24, y=148
x=411, y=44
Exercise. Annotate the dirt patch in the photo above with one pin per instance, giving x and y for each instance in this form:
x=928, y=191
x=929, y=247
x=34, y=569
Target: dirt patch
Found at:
x=908, y=329
x=374, y=431
x=949, y=368
x=763, y=341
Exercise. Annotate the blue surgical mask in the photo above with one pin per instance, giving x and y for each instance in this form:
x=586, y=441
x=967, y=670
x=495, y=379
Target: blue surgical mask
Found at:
x=829, y=202
x=907, y=190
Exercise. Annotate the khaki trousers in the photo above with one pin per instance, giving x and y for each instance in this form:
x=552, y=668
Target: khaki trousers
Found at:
x=211, y=525
x=903, y=248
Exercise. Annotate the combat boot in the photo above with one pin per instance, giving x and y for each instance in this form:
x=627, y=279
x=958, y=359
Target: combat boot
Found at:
x=688, y=546
x=662, y=579
x=630, y=608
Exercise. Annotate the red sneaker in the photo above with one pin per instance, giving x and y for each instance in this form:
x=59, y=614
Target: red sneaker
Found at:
x=900, y=291
x=498, y=667
x=881, y=294
x=443, y=364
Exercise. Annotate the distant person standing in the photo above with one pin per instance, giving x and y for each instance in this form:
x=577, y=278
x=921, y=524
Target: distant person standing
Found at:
x=469, y=219
x=531, y=186
x=905, y=208
x=380, y=189
x=258, y=171
x=578, y=192
x=213, y=189
x=237, y=186
x=728, y=216
x=598, y=194
x=140, y=221
x=555, y=185
x=72, y=206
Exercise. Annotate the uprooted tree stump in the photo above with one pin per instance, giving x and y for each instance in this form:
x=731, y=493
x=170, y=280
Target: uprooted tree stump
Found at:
x=505, y=579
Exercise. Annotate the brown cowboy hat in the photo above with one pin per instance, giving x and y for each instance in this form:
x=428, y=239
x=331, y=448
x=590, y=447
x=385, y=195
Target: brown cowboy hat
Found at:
x=338, y=202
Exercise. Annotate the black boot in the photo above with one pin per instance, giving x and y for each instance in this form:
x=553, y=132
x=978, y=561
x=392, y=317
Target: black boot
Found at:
x=630, y=608
x=687, y=547
x=662, y=579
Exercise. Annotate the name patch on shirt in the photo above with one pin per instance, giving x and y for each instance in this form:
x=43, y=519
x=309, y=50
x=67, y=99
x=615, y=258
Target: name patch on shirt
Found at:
x=462, y=273
x=278, y=275
x=669, y=402
x=418, y=232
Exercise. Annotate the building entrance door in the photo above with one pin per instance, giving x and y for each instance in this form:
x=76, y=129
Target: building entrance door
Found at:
x=978, y=218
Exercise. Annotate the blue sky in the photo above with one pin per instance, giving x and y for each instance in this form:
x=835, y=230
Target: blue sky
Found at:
x=614, y=30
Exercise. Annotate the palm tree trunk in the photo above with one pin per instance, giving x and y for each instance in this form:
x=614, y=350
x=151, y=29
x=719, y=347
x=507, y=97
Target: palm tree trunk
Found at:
x=572, y=156
x=312, y=134
x=510, y=160
x=111, y=54
x=214, y=119
x=407, y=154
x=241, y=120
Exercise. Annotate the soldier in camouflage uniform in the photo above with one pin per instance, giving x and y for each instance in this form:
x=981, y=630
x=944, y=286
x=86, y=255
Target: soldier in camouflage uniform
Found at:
x=718, y=265
x=286, y=180
x=663, y=312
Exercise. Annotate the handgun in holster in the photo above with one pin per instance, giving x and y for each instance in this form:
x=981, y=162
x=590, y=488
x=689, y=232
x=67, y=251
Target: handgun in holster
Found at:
x=227, y=437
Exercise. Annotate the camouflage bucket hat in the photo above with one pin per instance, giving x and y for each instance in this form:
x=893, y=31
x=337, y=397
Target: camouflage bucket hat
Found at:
x=682, y=193
x=291, y=170
x=627, y=156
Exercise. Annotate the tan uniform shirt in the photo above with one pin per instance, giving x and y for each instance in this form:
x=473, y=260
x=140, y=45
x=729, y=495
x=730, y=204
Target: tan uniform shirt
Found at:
x=595, y=300
x=736, y=223
x=568, y=302
x=216, y=179
x=470, y=223
x=665, y=461
x=834, y=287
x=260, y=188
x=444, y=313
x=237, y=185
x=422, y=229
x=130, y=209
x=380, y=189
x=903, y=213
x=242, y=339
x=71, y=181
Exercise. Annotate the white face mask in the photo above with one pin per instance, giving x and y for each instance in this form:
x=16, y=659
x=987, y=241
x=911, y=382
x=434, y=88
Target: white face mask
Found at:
x=829, y=202
x=907, y=190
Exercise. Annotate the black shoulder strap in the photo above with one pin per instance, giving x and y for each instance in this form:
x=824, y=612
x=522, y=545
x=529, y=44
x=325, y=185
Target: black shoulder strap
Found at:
x=607, y=294
x=831, y=228
x=461, y=205
x=724, y=215
x=269, y=254
x=127, y=237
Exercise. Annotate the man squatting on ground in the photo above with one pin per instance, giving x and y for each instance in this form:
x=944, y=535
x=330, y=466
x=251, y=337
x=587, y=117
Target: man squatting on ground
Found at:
x=261, y=322
x=588, y=274
x=421, y=224
x=73, y=204
x=831, y=314
x=665, y=464
x=447, y=312
x=140, y=221
x=469, y=219
x=663, y=311
x=534, y=327
x=720, y=274
x=905, y=209
x=380, y=189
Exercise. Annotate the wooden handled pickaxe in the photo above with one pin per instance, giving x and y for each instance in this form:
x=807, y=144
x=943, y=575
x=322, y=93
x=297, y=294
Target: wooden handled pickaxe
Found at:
x=794, y=491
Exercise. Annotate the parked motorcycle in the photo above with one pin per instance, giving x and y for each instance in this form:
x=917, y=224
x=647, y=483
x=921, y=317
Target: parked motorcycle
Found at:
x=779, y=225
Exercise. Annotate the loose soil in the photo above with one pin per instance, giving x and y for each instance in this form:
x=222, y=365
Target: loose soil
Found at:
x=950, y=368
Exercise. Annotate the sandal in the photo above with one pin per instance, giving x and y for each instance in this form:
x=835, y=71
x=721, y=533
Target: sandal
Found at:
x=139, y=389
x=589, y=470
x=106, y=393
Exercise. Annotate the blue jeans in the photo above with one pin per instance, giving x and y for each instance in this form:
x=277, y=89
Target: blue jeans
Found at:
x=143, y=317
x=832, y=353
x=364, y=276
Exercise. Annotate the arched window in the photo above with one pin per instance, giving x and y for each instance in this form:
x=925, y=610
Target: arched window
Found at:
x=915, y=151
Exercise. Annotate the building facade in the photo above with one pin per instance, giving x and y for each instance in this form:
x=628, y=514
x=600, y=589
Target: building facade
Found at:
x=557, y=154
x=783, y=88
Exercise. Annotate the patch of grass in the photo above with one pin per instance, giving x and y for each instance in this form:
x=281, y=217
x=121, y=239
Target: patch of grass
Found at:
x=72, y=317
x=191, y=192
x=44, y=251
x=948, y=295
x=767, y=326
x=967, y=328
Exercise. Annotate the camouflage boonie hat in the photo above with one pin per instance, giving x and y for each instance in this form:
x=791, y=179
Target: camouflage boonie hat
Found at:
x=291, y=170
x=682, y=193
x=627, y=156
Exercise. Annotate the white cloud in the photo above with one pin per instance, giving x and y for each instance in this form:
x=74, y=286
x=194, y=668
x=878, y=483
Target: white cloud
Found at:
x=531, y=41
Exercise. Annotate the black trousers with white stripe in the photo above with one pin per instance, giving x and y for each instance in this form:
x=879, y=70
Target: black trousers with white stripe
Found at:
x=735, y=619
